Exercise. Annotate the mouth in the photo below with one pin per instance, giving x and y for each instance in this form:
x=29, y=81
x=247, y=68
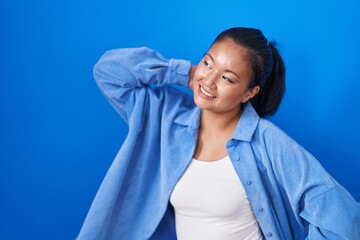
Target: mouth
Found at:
x=205, y=93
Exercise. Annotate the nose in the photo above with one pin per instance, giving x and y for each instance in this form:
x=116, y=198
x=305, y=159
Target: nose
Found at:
x=210, y=80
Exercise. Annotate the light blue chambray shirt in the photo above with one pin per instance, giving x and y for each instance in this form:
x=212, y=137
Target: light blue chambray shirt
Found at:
x=291, y=194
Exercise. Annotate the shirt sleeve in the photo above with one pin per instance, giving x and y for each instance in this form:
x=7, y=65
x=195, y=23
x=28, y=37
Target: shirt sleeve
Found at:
x=332, y=215
x=125, y=75
x=317, y=200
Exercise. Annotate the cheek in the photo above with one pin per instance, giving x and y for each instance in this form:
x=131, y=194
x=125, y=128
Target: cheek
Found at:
x=232, y=96
x=199, y=73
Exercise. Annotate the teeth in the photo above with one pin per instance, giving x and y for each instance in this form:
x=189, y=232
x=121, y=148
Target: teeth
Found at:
x=206, y=93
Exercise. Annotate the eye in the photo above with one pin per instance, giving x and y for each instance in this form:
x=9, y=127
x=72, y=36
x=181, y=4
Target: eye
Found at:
x=227, y=79
x=207, y=64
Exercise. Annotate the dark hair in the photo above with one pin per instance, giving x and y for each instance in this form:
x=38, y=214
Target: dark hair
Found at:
x=268, y=69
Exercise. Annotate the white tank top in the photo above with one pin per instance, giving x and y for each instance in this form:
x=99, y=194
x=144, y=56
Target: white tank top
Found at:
x=210, y=203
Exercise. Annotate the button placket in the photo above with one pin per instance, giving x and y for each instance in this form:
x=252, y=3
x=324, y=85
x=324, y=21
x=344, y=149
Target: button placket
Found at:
x=248, y=182
x=269, y=235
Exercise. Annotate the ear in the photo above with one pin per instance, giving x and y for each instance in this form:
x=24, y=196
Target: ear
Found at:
x=250, y=94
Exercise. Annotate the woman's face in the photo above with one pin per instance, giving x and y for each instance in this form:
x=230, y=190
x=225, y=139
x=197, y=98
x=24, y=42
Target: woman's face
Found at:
x=222, y=78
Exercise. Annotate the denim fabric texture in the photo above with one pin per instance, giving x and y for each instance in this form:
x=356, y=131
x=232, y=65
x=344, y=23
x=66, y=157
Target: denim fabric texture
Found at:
x=291, y=194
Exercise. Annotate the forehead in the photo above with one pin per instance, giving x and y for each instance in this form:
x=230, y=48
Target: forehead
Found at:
x=229, y=54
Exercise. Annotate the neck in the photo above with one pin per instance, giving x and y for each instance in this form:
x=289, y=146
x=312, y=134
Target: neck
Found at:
x=219, y=122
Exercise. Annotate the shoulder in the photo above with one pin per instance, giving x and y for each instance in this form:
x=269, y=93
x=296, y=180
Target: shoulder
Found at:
x=278, y=144
x=173, y=97
x=288, y=159
x=167, y=102
x=273, y=136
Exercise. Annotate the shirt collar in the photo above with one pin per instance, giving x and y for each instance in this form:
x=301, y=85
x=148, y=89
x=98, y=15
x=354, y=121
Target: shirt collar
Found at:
x=244, y=130
x=189, y=118
x=247, y=124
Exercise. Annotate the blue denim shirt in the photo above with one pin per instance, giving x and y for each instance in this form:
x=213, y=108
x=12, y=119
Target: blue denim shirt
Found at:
x=291, y=194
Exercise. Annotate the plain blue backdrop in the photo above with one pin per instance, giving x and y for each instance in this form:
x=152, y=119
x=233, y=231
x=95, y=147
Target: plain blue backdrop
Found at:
x=58, y=135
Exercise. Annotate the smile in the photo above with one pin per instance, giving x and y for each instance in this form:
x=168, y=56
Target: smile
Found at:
x=206, y=93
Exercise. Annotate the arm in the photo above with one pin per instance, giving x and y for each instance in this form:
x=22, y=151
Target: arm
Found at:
x=124, y=75
x=320, y=203
x=332, y=215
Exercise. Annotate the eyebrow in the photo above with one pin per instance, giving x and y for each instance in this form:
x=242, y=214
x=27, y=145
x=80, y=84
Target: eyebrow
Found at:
x=227, y=70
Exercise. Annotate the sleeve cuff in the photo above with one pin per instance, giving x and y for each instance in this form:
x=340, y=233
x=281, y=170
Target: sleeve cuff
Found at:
x=181, y=70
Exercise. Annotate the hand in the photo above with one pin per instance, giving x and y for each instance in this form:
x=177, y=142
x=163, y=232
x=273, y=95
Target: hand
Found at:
x=191, y=79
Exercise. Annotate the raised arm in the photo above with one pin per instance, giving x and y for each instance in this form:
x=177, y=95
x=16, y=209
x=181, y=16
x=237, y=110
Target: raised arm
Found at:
x=121, y=72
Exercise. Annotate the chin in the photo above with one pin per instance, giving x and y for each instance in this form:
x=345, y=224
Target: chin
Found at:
x=202, y=105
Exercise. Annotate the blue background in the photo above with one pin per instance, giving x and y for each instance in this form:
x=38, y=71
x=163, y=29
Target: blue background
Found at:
x=58, y=135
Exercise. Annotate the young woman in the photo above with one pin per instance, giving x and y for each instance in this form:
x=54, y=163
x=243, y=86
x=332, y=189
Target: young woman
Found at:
x=209, y=166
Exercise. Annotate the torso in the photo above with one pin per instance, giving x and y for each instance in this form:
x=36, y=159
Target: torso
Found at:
x=209, y=200
x=210, y=203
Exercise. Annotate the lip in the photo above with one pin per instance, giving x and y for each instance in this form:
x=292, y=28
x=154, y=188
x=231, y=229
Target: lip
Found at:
x=201, y=94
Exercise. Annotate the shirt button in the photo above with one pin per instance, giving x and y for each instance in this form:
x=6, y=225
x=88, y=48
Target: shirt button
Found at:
x=269, y=234
x=237, y=159
x=230, y=143
x=260, y=209
x=248, y=183
x=178, y=69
